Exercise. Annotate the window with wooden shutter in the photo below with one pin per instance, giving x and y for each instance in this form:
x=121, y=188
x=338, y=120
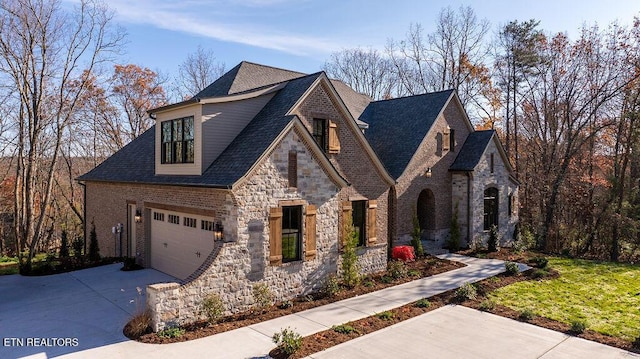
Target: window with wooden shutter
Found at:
x=346, y=221
x=310, y=232
x=371, y=222
x=292, y=171
x=275, y=236
x=334, y=141
x=446, y=139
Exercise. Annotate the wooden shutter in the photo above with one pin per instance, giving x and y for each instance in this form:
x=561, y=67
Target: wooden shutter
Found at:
x=446, y=140
x=310, y=232
x=371, y=222
x=275, y=236
x=292, y=171
x=334, y=141
x=346, y=209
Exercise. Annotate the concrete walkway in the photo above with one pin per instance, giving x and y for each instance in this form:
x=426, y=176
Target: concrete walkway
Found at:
x=449, y=332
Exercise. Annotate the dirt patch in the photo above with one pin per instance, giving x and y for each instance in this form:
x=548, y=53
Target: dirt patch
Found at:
x=422, y=267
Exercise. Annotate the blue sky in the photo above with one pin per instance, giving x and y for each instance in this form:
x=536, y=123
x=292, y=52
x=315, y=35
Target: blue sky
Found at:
x=301, y=35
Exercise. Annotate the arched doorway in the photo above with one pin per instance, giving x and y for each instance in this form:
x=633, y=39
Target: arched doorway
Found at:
x=427, y=213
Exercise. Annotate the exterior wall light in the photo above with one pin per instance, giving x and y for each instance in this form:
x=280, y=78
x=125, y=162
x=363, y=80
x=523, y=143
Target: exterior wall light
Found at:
x=138, y=216
x=218, y=231
x=427, y=173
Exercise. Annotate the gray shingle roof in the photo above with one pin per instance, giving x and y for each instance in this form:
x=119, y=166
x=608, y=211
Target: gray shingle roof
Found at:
x=354, y=101
x=398, y=126
x=135, y=162
x=472, y=150
x=246, y=76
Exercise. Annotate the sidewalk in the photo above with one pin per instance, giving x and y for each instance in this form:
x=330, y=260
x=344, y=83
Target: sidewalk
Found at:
x=254, y=341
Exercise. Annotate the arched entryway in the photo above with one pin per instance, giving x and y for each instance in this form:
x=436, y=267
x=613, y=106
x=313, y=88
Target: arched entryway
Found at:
x=427, y=213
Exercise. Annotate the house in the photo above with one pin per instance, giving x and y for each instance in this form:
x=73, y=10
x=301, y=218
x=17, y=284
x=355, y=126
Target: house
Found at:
x=441, y=165
x=252, y=180
x=247, y=183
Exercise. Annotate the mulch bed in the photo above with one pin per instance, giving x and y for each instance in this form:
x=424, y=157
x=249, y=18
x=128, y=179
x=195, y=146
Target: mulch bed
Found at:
x=422, y=267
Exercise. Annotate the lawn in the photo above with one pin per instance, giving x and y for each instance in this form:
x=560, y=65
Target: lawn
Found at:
x=606, y=296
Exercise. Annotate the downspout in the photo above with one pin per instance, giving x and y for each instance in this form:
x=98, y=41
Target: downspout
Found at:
x=469, y=207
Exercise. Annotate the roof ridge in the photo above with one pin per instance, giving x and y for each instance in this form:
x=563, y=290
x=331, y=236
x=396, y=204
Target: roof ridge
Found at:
x=413, y=96
x=271, y=67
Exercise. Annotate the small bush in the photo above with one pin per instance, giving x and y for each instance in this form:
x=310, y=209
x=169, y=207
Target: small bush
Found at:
x=397, y=269
x=414, y=273
x=350, y=268
x=386, y=279
x=262, y=296
x=344, y=329
x=78, y=245
x=386, y=315
x=331, y=286
x=403, y=253
x=423, y=303
x=636, y=343
x=493, y=242
x=416, y=240
x=540, y=262
x=487, y=305
x=212, y=307
x=511, y=268
x=64, y=244
x=287, y=340
x=466, y=291
x=94, y=249
x=526, y=315
x=173, y=332
x=578, y=326
x=539, y=273
x=369, y=283
x=286, y=304
x=139, y=325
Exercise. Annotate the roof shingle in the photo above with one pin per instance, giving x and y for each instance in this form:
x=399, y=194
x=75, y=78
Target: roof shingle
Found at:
x=472, y=150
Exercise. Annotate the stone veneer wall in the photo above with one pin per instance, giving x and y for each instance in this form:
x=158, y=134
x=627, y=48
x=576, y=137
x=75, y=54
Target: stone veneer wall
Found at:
x=244, y=262
x=412, y=181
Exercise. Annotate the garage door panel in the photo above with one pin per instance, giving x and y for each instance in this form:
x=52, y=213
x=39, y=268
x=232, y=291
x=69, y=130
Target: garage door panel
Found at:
x=178, y=249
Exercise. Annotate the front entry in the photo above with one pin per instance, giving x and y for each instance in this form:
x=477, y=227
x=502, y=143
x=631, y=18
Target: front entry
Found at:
x=427, y=214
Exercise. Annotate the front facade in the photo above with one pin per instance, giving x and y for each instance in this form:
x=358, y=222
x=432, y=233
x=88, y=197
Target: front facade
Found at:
x=253, y=180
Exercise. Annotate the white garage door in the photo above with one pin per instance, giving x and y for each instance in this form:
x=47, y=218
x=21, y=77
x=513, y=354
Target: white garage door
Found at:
x=180, y=242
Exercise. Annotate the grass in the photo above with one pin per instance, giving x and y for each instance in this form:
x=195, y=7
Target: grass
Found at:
x=605, y=295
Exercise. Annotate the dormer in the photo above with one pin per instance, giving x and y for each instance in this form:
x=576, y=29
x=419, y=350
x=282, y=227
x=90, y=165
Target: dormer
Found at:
x=190, y=135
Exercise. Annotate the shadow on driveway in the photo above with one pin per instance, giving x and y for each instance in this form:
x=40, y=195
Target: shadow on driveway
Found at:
x=88, y=308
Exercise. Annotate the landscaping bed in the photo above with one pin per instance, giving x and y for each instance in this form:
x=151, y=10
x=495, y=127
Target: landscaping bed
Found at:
x=422, y=267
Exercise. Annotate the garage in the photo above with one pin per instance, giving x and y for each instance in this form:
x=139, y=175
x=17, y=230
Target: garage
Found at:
x=180, y=242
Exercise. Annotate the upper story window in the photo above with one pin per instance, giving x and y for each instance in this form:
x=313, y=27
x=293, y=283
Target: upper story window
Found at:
x=177, y=141
x=320, y=132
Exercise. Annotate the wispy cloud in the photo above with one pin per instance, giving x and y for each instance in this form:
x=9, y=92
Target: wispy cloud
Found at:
x=206, y=18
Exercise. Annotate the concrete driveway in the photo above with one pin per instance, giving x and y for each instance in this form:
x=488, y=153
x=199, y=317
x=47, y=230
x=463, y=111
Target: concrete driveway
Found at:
x=85, y=309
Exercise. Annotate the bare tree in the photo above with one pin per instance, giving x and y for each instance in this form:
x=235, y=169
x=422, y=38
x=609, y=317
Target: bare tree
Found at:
x=42, y=51
x=197, y=71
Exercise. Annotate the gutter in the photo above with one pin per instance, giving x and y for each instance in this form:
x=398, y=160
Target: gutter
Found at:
x=469, y=174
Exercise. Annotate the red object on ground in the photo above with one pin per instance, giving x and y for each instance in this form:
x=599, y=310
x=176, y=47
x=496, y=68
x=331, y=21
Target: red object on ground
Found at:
x=403, y=253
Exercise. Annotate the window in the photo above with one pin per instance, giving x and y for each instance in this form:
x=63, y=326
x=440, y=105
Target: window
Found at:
x=320, y=132
x=291, y=233
x=189, y=222
x=359, y=220
x=292, y=172
x=157, y=216
x=491, y=162
x=206, y=225
x=452, y=140
x=174, y=219
x=490, y=208
x=177, y=141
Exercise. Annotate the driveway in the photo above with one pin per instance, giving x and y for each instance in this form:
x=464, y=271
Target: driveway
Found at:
x=87, y=308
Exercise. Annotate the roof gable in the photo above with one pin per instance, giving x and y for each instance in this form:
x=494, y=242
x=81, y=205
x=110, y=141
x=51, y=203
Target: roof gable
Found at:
x=398, y=126
x=472, y=150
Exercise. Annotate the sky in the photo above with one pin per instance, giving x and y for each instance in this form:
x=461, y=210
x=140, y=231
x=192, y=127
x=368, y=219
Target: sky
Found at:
x=301, y=34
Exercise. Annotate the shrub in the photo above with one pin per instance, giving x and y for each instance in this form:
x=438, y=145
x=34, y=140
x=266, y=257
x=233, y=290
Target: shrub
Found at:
x=423, y=303
x=350, y=269
x=262, y=296
x=466, y=291
x=94, y=249
x=454, y=233
x=386, y=279
x=286, y=304
x=287, y=340
x=397, y=269
x=526, y=315
x=78, y=245
x=64, y=244
x=578, y=326
x=139, y=325
x=416, y=240
x=173, y=332
x=331, y=286
x=212, y=307
x=403, y=253
x=369, y=283
x=540, y=262
x=511, y=268
x=487, y=305
x=386, y=315
x=414, y=273
x=344, y=329
x=492, y=244
x=539, y=273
